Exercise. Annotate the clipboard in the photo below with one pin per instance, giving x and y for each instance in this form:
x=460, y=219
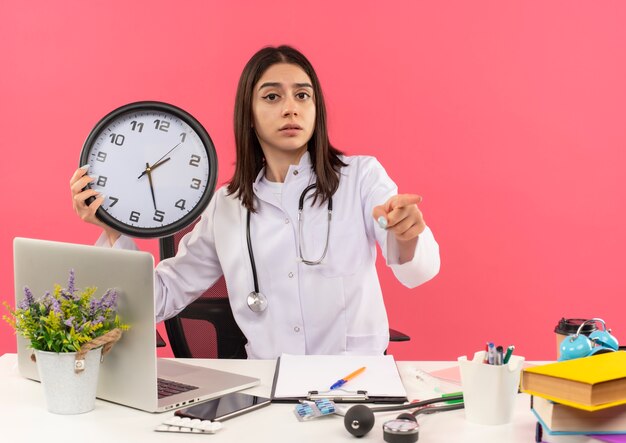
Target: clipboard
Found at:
x=309, y=377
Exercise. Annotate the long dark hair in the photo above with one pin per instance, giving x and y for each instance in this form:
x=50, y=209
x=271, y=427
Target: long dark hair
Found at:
x=250, y=160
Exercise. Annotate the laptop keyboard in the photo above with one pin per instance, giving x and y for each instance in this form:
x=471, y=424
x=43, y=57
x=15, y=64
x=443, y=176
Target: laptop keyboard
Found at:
x=169, y=387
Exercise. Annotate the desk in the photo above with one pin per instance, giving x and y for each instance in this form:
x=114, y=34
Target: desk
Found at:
x=23, y=416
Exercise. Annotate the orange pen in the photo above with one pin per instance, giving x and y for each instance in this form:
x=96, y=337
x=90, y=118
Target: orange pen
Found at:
x=339, y=383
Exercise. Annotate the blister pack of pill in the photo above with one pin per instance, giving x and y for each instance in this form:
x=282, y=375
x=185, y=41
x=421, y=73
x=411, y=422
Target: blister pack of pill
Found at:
x=189, y=425
x=308, y=410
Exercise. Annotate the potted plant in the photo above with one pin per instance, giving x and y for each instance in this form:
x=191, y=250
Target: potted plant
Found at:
x=69, y=331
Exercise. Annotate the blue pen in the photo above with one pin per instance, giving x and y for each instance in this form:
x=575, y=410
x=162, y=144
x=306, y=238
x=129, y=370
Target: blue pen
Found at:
x=342, y=381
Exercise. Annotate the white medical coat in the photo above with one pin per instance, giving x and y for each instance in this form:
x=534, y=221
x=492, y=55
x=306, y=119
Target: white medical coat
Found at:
x=332, y=308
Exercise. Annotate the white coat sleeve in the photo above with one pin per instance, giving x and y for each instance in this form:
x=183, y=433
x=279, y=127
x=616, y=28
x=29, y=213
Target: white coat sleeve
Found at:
x=376, y=189
x=181, y=279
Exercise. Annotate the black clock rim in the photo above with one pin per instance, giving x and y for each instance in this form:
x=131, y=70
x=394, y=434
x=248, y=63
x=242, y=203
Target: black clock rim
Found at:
x=191, y=216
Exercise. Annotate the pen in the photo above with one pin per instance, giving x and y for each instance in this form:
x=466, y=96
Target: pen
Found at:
x=509, y=351
x=491, y=354
x=339, y=383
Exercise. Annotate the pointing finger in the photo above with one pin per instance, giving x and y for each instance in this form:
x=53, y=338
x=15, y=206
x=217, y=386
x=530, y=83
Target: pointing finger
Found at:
x=402, y=200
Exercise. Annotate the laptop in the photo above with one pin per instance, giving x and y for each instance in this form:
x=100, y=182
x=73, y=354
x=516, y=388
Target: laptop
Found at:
x=131, y=372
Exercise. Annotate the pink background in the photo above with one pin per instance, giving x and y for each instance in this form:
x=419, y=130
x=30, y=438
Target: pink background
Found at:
x=507, y=116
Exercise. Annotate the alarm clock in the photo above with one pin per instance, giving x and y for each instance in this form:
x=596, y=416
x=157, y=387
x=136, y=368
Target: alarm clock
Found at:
x=155, y=165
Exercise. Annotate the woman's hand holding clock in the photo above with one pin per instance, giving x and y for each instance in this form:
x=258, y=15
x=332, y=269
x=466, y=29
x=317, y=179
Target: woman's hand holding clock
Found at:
x=86, y=212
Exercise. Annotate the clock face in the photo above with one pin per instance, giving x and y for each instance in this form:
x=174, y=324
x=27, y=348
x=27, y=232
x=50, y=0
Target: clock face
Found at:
x=155, y=164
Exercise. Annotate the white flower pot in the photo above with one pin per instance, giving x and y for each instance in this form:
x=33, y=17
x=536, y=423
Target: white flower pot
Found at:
x=66, y=391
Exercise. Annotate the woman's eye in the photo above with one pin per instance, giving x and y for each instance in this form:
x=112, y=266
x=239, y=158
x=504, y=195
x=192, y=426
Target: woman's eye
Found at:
x=302, y=95
x=271, y=97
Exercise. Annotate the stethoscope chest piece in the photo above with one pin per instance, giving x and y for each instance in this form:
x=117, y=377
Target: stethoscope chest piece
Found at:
x=401, y=430
x=257, y=302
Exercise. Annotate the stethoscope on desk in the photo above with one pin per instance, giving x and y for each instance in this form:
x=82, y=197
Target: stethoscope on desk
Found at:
x=257, y=302
x=359, y=419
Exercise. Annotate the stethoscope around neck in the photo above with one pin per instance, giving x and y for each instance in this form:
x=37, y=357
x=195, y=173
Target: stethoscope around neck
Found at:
x=257, y=302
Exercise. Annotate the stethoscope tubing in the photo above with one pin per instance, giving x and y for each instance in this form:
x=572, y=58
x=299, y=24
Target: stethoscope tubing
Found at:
x=256, y=301
x=300, y=234
x=426, y=402
x=251, y=254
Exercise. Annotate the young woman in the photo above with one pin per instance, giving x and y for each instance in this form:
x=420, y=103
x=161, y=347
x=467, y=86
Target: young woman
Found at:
x=318, y=290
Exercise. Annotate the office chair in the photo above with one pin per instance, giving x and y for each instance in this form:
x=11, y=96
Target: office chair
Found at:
x=206, y=328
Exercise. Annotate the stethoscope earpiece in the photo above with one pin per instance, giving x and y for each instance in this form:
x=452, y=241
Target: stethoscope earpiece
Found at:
x=359, y=420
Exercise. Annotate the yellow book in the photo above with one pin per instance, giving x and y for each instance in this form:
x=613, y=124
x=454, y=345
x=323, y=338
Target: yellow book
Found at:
x=589, y=383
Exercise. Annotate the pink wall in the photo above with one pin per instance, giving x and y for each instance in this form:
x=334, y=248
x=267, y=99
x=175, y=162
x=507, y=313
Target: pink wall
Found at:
x=508, y=117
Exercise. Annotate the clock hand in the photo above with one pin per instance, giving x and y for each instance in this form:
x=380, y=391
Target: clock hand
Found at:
x=166, y=154
x=159, y=163
x=148, y=171
x=153, y=167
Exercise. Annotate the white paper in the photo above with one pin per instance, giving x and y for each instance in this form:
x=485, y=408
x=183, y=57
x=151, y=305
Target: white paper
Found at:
x=299, y=374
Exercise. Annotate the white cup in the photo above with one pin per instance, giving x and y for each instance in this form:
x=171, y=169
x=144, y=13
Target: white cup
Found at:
x=489, y=391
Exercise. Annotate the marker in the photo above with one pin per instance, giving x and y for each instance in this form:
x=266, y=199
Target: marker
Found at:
x=453, y=394
x=339, y=383
x=499, y=357
x=509, y=352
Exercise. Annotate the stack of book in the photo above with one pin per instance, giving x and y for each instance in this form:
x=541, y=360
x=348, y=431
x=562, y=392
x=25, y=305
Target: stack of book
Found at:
x=581, y=396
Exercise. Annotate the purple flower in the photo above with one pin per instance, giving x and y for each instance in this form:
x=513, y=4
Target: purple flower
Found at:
x=71, y=288
x=28, y=300
x=46, y=300
x=109, y=300
x=94, y=306
x=29, y=295
x=69, y=321
x=56, y=306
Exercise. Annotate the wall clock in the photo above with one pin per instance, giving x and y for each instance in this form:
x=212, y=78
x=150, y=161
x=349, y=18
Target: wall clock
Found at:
x=156, y=166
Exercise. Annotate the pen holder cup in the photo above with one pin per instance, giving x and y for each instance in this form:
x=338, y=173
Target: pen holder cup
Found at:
x=489, y=391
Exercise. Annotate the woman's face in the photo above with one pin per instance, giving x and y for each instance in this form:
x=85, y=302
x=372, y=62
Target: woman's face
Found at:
x=283, y=109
